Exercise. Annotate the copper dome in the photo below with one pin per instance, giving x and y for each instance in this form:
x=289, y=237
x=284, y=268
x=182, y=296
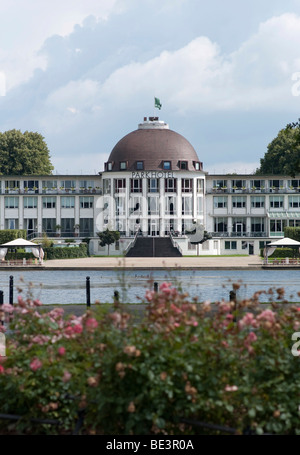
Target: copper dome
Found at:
x=153, y=144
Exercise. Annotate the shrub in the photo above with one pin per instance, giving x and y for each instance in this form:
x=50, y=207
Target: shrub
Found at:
x=184, y=360
x=6, y=235
x=292, y=233
x=64, y=253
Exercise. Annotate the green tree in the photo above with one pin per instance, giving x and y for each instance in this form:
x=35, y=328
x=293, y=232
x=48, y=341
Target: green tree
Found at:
x=24, y=154
x=108, y=237
x=283, y=154
x=292, y=233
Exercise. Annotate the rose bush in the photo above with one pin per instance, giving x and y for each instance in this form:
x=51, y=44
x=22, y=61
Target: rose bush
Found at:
x=223, y=363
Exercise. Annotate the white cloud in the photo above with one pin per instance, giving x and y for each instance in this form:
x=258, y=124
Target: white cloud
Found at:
x=25, y=25
x=199, y=77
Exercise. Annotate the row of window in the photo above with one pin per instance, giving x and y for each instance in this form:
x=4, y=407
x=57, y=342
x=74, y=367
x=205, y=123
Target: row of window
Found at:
x=49, y=184
x=166, y=165
x=254, y=184
x=256, y=201
x=170, y=205
x=49, y=224
x=239, y=225
x=48, y=202
x=136, y=185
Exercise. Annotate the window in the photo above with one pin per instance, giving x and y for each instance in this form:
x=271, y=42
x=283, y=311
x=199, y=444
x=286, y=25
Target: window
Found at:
x=200, y=185
x=48, y=225
x=67, y=202
x=135, y=205
x=49, y=184
x=170, y=185
x=294, y=202
x=12, y=184
x=183, y=165
x=109, y=166
x=186, y=185
x=187, y=205
x=199, y=205
x=30, y=202
x=167, y=165
x=294, y=223
x=139, y=165
x=276, y=202
x=239, y=225
x=230, y=245
x=11, y=224
x=153, y=205
x=136, y=185
x=120, y=206
x=220, y=224
x=257, y=184
x=86, y=202
x=106, y=186
x=49, y=202
x=238, y=202
x=153, y=186
x=86, y=184
x=220, y=202
x=197, y=165
x=257, y=201
x=239, y=184
x=11, y=203
x=86, y=227
x=68, y=184
x=277, y=226
x=294, y=184
x=170, y=205
x=32, y=185
x=218, y=184
x=275, y=183
x=123, y=165
x=120, y=185
x=67, y=226
x=257, y=225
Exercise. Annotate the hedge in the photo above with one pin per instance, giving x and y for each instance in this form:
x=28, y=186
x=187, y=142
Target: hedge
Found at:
x=283, y=253
x=64, y=253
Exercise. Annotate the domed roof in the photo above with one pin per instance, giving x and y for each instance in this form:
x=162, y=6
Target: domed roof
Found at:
x=153, y=144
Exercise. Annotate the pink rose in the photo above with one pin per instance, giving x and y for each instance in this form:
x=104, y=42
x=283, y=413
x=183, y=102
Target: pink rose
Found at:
x=77, y=328
x=61, y=351
x=35, y=364
x=91, y=324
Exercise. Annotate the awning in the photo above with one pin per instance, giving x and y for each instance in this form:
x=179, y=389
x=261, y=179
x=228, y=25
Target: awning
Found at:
x=283, y=215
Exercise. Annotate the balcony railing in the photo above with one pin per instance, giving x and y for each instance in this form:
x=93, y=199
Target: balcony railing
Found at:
x=51, y=191
x=275, y=190
x=239, y=234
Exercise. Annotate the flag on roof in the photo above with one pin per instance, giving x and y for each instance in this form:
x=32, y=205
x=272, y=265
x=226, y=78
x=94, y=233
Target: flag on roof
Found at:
x=157, y=103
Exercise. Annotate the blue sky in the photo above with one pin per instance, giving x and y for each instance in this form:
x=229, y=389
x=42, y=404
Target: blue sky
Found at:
x=85, y=73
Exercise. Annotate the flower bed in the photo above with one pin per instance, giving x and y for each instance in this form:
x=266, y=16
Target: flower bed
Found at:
x=223, y=364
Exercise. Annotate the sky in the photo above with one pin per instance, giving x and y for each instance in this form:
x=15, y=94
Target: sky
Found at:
x=84, y=73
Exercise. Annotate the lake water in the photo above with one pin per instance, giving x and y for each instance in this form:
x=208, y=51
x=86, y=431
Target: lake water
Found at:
x=66, y=287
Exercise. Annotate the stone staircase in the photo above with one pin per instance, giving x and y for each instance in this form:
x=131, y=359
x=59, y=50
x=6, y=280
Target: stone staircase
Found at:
x=153, y=247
